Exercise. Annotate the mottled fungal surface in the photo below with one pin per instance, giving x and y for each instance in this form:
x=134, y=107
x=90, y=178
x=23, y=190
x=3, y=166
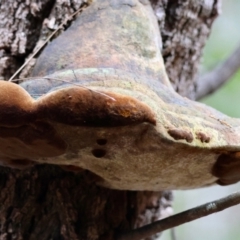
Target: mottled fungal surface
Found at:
x=119, y=118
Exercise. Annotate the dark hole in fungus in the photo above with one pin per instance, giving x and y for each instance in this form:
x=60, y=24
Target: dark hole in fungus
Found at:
x=101, y=141
x=98, y=153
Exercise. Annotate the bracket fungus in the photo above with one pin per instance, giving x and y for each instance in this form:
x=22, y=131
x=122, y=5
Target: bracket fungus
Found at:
x=120, y=118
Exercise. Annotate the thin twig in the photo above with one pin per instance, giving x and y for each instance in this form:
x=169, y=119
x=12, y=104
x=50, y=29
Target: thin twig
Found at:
x=181, y=218
x=45, y=42
x=211, y=81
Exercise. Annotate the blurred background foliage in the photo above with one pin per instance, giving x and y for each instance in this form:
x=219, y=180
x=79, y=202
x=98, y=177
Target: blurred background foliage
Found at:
x=225, y=37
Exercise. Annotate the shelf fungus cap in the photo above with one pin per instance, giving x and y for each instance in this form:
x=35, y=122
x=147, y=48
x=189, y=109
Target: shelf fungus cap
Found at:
x=35, y=130
x=130, y=128
x=130, y=140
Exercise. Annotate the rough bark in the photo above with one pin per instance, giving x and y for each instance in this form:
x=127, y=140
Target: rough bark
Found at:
x=49, y=203
x=185, y=27
x=45, y=202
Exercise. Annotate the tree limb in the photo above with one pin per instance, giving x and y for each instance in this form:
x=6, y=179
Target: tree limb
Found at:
x=181, y=218
x=211, y=81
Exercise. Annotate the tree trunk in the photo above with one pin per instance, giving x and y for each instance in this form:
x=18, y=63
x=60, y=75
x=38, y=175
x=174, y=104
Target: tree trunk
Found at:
x=47, y=202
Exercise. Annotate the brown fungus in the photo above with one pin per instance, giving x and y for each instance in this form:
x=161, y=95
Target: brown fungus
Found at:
x=227, y=169
x=204, y=138
x=122, y=92
x=180, y=134
x=27, y=126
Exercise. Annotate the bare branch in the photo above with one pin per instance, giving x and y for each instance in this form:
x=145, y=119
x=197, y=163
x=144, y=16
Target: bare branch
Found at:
x=181, y=218
x=211, y=81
